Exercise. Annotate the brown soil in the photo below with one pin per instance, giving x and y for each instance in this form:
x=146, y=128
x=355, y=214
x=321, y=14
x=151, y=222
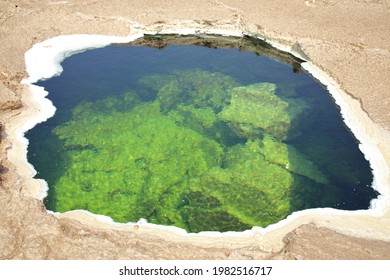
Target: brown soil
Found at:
x=346, y=39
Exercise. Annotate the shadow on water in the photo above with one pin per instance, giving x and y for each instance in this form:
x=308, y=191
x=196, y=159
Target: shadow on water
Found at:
x=243, y=44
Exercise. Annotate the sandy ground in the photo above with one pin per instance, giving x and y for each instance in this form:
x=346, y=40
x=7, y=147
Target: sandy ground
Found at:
x=348, y=40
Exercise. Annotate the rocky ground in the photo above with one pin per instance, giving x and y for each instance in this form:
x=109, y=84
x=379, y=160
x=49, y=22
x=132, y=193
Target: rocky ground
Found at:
x=347, y=39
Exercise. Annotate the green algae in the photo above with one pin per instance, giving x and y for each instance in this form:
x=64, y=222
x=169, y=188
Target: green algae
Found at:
x=193, y=149
x=255, y=110
x=190, y=87
x=290, y=159
x=258, y=191
x=131, y=160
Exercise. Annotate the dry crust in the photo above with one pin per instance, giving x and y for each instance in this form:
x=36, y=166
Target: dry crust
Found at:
x=347, y=40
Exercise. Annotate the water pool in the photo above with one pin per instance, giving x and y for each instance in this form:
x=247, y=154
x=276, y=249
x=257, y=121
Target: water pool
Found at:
x=199, y=132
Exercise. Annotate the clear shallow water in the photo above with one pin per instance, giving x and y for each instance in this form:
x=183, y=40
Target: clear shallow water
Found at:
x=200, y=138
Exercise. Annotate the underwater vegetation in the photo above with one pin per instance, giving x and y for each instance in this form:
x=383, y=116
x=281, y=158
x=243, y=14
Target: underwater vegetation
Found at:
x=255, y=110
x=193, y=149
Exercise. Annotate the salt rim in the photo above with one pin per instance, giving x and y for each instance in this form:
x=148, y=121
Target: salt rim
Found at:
x=43, y=61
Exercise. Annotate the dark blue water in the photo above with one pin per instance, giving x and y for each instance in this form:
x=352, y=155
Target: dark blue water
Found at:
x=113, y=69
x=319, y=136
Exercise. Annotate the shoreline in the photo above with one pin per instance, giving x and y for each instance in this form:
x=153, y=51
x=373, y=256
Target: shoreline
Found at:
x=354, y=59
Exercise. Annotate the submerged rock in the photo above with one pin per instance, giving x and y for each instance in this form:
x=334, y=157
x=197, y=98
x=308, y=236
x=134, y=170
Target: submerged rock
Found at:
x=134, y=158
x=255, y=110
x=198, y=151
x=289, y=158
x=190, y=87
x=257, y=184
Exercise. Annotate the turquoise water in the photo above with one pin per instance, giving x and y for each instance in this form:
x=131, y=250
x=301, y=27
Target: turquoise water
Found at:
x=202, y=138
